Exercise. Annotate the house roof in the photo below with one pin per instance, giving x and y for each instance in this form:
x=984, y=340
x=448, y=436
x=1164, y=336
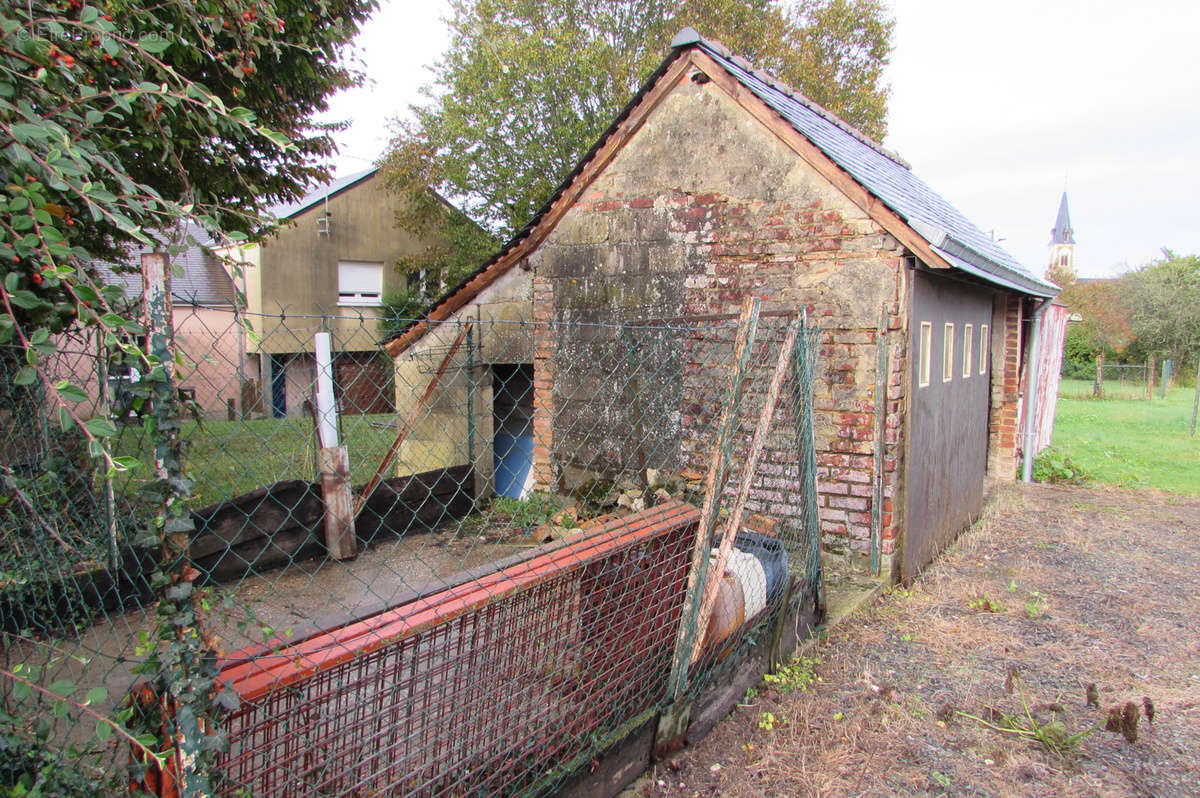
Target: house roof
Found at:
x=1062, y=232
x=203, y=280
x=319, y=194
x=953, y=240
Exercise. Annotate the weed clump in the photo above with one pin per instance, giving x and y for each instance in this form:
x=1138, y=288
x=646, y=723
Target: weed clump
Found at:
x=1056, y=468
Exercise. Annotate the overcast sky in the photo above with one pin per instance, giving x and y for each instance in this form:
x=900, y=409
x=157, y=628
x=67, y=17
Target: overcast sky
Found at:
x=997, y=106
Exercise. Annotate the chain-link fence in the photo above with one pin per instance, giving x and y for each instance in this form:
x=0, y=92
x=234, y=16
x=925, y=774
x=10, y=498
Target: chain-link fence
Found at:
x=465, y=569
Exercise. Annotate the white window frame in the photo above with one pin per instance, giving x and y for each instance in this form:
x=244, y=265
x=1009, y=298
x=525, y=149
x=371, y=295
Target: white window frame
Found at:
x=948, y=352
x=968, y=349
x=925, y=353
x=985, y=348
x=360, y=283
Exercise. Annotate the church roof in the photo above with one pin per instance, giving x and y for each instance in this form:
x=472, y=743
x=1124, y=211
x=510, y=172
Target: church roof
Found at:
x=1062, y=232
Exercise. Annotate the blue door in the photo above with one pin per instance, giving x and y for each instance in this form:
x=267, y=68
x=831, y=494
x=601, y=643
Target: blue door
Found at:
x=512, y=410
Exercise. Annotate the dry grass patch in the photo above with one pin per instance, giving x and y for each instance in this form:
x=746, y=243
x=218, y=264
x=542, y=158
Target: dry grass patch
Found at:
x=975, y=680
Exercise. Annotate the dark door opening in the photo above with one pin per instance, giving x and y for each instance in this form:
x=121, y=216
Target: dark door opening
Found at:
x=278, y=386
x=512, y=416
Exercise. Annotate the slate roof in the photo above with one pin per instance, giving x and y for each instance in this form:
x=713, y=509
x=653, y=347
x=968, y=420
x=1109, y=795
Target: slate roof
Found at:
x=203, y=281
x=884, y=174
x=318, y=194
x=1062, y=232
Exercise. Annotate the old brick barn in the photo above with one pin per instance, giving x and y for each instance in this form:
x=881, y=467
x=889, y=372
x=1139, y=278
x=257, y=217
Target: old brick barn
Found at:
x=717, y=182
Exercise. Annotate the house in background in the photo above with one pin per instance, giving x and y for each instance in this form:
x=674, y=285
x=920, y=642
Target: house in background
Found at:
x=328, y=267
x=217, y=375
x=719, y=182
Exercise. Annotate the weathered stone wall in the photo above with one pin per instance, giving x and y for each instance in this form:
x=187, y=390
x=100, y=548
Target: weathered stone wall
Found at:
x=703, y=207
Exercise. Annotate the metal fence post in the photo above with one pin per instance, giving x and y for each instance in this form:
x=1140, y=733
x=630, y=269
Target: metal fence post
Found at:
x=881, y=366
x=814, y=577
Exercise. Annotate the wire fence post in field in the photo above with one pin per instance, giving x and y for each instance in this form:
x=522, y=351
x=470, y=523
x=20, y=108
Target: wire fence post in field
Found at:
x=1098, y=386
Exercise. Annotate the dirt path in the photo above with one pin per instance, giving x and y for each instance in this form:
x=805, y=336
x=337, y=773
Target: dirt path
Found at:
x=1070, y=586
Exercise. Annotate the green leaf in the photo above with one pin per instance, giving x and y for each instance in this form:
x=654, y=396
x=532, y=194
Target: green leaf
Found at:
x=71, y=393
x=127, y=463
x=96, y=695
x=104, y=731
x=100, y=427
x=154, y=43
x=25, y=376
x=21, y=691
x=26, y=300
x=25, y=132
x=88, y=15
x=63, y=688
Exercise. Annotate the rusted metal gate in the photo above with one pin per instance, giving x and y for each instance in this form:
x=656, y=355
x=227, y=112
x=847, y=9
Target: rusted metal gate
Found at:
x=948, y=416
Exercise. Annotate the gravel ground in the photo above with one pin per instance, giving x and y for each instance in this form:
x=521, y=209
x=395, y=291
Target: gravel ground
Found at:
x=1053, y=590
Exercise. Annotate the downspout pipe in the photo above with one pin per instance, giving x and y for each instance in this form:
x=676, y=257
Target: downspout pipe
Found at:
x=1030, y=437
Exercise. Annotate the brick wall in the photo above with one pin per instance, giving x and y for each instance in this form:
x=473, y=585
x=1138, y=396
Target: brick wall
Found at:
x=703, y=207
x=1006, y=387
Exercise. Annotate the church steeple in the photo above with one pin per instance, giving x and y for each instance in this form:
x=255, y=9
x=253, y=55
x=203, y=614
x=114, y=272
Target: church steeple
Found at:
x=1062, y=232
x=1062, y=247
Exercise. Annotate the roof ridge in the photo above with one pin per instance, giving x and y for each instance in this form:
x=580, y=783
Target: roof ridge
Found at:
x=688, y=37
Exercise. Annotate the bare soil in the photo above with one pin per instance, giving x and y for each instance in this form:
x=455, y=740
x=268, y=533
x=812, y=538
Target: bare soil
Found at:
x=1063, y=587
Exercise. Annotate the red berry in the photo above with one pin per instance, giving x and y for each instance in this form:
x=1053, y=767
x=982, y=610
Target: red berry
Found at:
x=36, y=278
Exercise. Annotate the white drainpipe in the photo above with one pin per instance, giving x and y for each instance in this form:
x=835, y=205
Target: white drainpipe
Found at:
x=1035, y=335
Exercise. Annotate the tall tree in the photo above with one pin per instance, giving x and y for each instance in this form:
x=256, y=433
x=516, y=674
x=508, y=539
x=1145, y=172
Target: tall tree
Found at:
x=120, y=119
x=1105, y=325
x=121, y=116
x=1164, y=306
x=526, y=86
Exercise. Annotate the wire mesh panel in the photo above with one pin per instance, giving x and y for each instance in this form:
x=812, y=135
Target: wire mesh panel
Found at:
x=484, y=686
x=465, y=568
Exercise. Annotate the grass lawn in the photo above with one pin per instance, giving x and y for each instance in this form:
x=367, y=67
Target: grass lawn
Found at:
x=1131, y=442
x=228, y=458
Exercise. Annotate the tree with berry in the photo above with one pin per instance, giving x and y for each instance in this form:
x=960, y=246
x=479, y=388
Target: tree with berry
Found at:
x=120, y=121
